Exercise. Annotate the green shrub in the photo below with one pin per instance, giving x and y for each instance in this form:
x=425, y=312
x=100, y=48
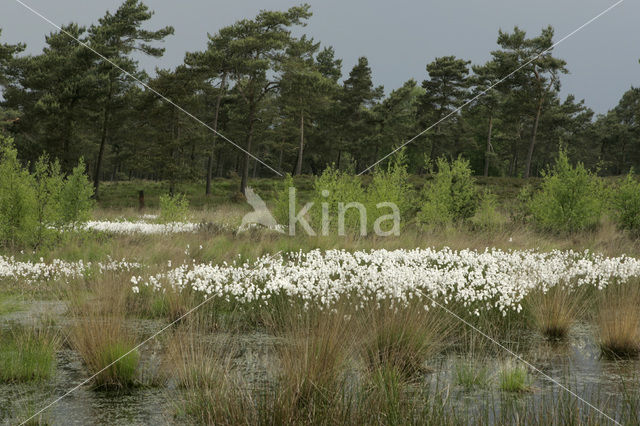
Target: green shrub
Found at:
x=336, y=188
x=48, y=185
x=521, y=211
x=281, y=201
x=570, y=199
x=390, y=186
x=17, y=199
x=76, y=196
x=174, y=208
x=451, y=196
x=488, y=217
x=626, y=204
x=32, y=206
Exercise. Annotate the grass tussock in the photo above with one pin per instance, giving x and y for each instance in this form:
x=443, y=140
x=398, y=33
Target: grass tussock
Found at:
x=101, y=337
x=27, y=354
x=554, y=312
x=514, y=379
x=316, y=345
x=470, y=374
x=403, y=338
x=202, y=367
x=197, y=360
x=618, y=320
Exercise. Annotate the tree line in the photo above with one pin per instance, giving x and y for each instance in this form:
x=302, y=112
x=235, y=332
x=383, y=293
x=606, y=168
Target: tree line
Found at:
x=284, y=99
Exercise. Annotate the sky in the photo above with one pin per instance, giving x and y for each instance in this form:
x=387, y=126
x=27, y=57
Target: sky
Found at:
x=398, y=37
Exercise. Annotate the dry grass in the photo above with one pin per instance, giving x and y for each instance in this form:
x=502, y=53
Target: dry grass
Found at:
x=100, y=335
x=403, y=338
x=196, y=359
x=556, y=310
x=202, y=367
x=314, y=351
x=212, y=244
x=618, y=319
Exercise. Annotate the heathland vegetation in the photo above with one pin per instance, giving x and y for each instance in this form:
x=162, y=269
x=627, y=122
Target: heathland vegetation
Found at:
x=507, y=293
x=325, y=329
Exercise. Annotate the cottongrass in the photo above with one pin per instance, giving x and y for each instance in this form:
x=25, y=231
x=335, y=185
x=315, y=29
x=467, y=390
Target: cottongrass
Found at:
x=490, y=280
x=141, y=227
x=41, y=271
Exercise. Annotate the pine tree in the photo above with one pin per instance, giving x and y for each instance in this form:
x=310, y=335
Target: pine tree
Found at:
x=445, y=90
x=536, y=82
x=116, y=37
x=358, y=98
x=257, y=47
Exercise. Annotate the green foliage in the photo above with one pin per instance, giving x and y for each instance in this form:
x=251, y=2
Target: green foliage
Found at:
x=514, y=379
x=48, y=184
x=471, y=375
x=488, y=216
x=76, y=196
x=521, y=211
x=26, y=355
x=173, y=208
x=125, y=370
x=281, y=202
x=626, y=204
x=32, y=206
x=335, y=187
x=570, y=199
x=451, y=196
x=390, y=186
x=17, y=198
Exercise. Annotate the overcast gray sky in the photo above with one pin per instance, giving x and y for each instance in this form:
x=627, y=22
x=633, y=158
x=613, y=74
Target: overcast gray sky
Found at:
x=399, y=36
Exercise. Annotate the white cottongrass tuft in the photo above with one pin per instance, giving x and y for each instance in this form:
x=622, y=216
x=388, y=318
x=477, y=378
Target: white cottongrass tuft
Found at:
x=32, y=272
x=480, y=280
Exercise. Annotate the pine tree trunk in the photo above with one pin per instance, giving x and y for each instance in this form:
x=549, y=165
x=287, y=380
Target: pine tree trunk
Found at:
x=301, y=150
x=223, y=83
x=103, y=141
x=513, y=167
x=247, y=157
x=527, y=170
x=487, y=152
x=255, y=169
x=219, y=170
x=280, y=156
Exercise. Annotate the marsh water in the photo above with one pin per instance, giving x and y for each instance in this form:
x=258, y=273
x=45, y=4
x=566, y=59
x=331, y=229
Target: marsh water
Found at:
x=576, y=363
